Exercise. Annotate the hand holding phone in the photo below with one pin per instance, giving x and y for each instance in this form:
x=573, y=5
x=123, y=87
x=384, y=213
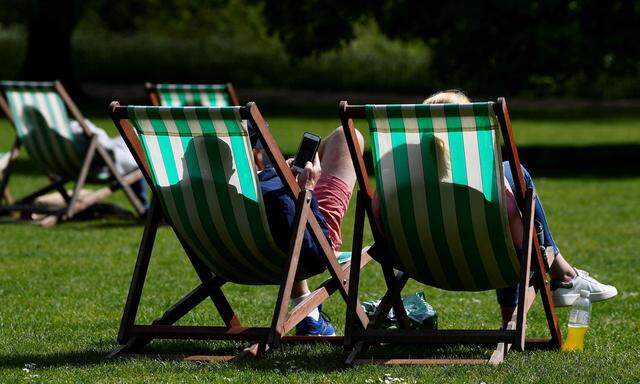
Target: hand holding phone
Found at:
x=306, y=151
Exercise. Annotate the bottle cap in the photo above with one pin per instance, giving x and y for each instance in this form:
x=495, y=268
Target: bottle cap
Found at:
x=584, y=293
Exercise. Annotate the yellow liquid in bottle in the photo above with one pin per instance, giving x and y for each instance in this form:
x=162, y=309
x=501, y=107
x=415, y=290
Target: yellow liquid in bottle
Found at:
x=575, y=338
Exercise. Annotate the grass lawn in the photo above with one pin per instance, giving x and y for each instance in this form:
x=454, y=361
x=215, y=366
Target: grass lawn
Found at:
x=62, y=290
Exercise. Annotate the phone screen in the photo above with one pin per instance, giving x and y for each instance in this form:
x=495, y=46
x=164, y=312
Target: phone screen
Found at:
x=306, y=151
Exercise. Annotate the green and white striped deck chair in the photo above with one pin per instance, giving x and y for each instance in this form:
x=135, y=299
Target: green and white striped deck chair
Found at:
x=199, y=163
x=199, y=95
x=39, y=113
x=4, y=163
x=440, y=189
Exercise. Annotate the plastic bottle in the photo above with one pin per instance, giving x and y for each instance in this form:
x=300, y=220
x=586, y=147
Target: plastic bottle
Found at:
x=578, y=323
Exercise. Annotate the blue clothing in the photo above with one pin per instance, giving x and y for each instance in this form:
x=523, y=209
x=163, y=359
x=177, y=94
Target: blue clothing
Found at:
x=140, y=189
x=508, y=297
x=281, y=212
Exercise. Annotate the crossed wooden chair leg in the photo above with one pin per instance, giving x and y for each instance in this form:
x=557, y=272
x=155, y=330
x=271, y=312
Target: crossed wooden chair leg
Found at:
x=132, y=338
x=74, y=204
x=359, y=339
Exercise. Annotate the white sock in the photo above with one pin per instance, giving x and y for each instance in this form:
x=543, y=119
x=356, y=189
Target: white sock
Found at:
x=315, y=314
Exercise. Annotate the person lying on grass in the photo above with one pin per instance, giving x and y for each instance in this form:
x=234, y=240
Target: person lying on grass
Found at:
x=331, y=177
x=566, y=281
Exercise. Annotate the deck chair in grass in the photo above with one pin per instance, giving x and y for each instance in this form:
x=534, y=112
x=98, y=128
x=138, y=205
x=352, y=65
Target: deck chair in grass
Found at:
x=197, y=95
x=199, y=165
x=39, y=113
x=443, y=220
x=7, y=159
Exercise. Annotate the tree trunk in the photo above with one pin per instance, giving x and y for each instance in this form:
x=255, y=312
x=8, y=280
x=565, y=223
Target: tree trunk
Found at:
x=50, y=27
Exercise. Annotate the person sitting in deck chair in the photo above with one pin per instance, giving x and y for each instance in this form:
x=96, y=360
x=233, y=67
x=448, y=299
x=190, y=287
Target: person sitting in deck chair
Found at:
x=331, y=177
x=122, y=157
x=567, y=281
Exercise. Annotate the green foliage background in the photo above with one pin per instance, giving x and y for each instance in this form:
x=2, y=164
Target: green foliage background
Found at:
x=563, y=48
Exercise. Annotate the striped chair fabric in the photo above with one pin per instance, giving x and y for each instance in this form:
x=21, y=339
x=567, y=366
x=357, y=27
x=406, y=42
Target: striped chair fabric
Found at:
x=203, y=172
x=4, y=162
x=42, y=124
x=441, y=190
x=203, y=95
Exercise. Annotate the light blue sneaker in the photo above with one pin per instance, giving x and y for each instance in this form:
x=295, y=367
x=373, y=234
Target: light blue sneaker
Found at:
x=310, y=327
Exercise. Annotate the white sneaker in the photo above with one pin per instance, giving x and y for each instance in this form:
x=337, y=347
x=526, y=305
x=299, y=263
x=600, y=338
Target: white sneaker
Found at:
x=565, y=293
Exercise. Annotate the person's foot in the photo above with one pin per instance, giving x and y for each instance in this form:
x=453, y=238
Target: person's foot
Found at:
x=309, y=326
x=565, y=293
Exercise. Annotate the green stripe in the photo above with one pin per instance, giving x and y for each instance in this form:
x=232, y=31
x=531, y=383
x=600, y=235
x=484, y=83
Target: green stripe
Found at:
x=15, y=102
x=249, y=187
x=403, y=188
x=165, y=99
x=181, y=97
x=195, y=93
x=75, y=150
x=434, y=203
x=200, y=199
x=38, y=135
x=221, y=186
x=58, y=142
x=172, y=175
x=461, y=198
x=490, y=190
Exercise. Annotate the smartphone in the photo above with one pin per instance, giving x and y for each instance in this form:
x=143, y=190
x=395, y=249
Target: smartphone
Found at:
x=306, y=151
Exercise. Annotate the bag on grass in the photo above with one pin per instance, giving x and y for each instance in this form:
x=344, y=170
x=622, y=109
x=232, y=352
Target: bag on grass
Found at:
x=421, y=314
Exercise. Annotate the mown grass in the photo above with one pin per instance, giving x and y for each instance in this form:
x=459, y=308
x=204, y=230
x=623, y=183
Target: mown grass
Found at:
x=62, y=292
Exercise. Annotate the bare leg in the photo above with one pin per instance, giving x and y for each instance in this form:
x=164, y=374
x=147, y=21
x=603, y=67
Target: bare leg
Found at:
x=335, y=160
x=561, y=269
x=300, y=288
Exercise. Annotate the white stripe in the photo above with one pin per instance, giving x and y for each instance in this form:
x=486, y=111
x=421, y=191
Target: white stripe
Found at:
x=35, y=132
x=53, y=131
x=188, y=96
x=160, y=174
x=184, y=182
x=213, y=202
x=204, y=97
x=476, y=196
x=419, y=195
x=62, y=121
x=391, y=203
x=447, y=200
x=15, y=102
x=174, y=100
x=220, y=101
x=237, y=198
x=155, y=153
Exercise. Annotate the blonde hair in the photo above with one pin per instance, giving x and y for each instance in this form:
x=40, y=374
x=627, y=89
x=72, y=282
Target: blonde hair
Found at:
x=451, y=96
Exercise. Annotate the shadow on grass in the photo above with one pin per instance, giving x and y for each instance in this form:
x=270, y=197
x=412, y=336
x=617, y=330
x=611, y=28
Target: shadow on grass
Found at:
x=81, y=358
x=310, y=358
x=289, y=358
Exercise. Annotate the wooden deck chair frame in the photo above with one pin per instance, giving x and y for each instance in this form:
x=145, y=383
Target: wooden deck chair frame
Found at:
x=133, y=337
x=74, y=204
x=152, y=93
x=358, y=338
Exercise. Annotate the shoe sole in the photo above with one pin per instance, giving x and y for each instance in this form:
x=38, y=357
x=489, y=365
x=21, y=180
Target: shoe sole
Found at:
x=568, y=299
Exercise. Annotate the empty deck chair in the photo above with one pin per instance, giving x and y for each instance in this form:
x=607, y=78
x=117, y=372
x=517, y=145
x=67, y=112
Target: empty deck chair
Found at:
x=183, y=95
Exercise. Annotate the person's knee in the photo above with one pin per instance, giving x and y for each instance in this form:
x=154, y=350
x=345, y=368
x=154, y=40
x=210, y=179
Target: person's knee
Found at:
x=340, y=133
